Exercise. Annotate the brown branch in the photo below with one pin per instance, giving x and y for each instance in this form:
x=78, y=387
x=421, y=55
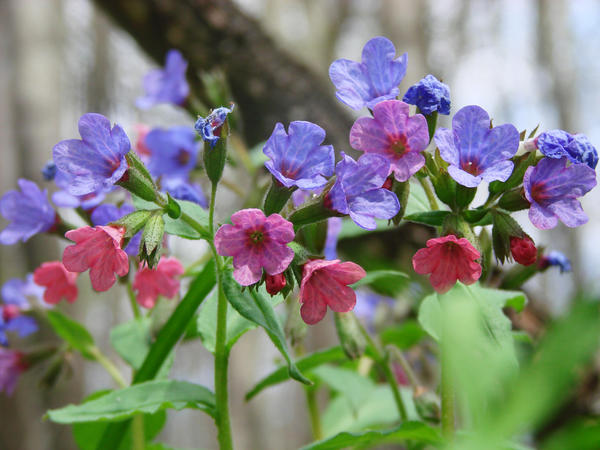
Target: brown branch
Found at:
x=267, y=84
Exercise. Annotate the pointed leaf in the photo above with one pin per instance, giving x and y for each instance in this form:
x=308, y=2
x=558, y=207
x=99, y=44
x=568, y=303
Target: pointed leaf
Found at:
x=75, y=334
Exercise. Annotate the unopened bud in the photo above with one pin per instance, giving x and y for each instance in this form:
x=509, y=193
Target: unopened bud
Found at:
x=523, y=250
x=351, y=338
x=275, y=283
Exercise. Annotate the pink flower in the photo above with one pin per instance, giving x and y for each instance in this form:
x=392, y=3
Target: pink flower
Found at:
x=325, y=283
x=12, y=364
x=395, y=135
x=59, y=282
x=150, y=283
x=448, y=259
x=98, y=249
x=140, y=144
x=256, y=242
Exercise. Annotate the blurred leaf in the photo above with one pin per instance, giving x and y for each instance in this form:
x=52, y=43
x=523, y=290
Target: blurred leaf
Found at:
x=148, y=397
x=404, y=336
x=254, y=307
x=178, y=227
x=75, y=334
x=417, y=200
x=385, y=282
x=580, y=435
x=87, y=434
x=347, y=382
x=414, y=431
x=331, y=355
x=433, y=218
x=350, y=229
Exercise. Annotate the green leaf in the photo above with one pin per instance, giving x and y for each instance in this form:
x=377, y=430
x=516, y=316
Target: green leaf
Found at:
x=148, y=397
x=580, y=434
x=331, y=355
x=434, y=218
x=403, y=336
x=254, y=307
x=374, y=276
x=72, y=332
x=414, y=431
x=356, y=388
x=350, y=229
x=417, y=200
x=88, y=434
x=178, y=227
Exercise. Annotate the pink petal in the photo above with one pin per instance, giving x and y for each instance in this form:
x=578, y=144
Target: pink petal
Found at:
x=392, y=115
x=230, y=240
x=248, y=218
x=279, y=229
x=275, y=258
x=313, y=309
x=345, y=273
x=417, y=133
x=368, y=135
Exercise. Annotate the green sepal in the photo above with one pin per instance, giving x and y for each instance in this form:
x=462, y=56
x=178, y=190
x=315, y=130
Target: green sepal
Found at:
x=312, y=212
x=504, y=227
x=513, y=200
x=348, y=330
x=214, y=157
x=277, y=196
x=151, y=243
x=521, y=164
x=134, y=222
x=445, y=188
x=137, y=179
x=173, y=209
x=464, y=195
x=402, y=191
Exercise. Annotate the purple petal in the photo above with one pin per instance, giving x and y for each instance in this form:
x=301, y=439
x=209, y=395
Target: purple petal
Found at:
x=541, y=217
x=408, y=165
x=392, y=116
x=379, y=203
x=368, y=135
x=351, y=81
x=470, y=126
x=500, y=171
x=462, y=177
x=417, y=132
x=569, y=211
x=384, y=72
x=501, y=143
x=23, y=325
x=444, y=139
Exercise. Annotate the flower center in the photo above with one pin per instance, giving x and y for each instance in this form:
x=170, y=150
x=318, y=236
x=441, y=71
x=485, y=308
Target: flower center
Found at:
x=183, y=157
x=256, y=237
x=399, y=146
x=470, y=167
x=538, y=192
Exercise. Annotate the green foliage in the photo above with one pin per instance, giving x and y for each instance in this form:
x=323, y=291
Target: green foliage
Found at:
x=73, y=333
x=149, y=397
x=433, y=218
x=386, y=282
x=331, y=355
x=256, y=308
x=403, y=336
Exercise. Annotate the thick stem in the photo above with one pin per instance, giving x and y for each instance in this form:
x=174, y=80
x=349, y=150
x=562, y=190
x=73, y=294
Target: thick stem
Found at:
x=429, y=193
x=137, y=431
x=314, y=413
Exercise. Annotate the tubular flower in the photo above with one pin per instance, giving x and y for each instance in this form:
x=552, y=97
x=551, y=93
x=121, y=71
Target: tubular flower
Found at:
x=475, y=151
x=162, y=280
x=173, y=151
x=448, y=260
x=256, y=242
x=59, y=282
x=523, y=250
x=325, y=283
x=552, y=188
x=297, y=158
x=429, y=95
x=98, y=249
x=374, y=79
x=97, y=161
x=395, y=135
x=166, y=85
x=107, y=213
x=577, y=148
x=29, y=212
x=209, y=128
x=12, y=365
x=357, y=191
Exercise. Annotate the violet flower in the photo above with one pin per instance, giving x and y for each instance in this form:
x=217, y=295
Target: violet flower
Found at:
x=12, y=318
x=357, y=190
x=64, y=199
x=166, y=85
x=475, y=151
x=107, y=213
x=556, y=258
x=29, y=212
x=297, y=158
x=12, y=365
x=209, y=128
x=183, y=190
x=374, y=79
x=97, y=161
x=552, y=188
x=429, y=95
x=16, y=292
x=395, y=135
x=577, y=148
x=173, y=151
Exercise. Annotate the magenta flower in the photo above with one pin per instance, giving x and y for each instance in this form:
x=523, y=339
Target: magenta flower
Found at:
x=256, y=242
x=59, y=282
x=395, y=135
x=474, y=151
x=12, y=364
x=448, y=259
x=552, y=188
x=98, y=249
x=162, y=280
x=325, y=283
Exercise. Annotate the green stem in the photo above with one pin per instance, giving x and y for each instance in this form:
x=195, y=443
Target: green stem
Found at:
x=108, y=366
x=447, y=393
x=221, y=352
x=429, y=193
x=314, y=413
x=137, y=431
x=133, y=302
x=412, y=378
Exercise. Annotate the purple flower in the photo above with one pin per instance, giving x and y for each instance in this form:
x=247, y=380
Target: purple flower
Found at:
x=209, y=128
x=577, y=148
x=429, y=95
x=11, y=320
x=29, y=212
x=97, y=161
x=107, y=213
x=166, y=85
x=87, y=201
x=174, y=151
x=367, y=304
x=49, y=171
x=12, y=365
x=297, y=158
x=395, y=135
x=357, y=190
x=375, y=79
x=552, y=188
x=334, y=226
x=556, y=258
x=182, y=190
x=15, y=292
x=475, y=152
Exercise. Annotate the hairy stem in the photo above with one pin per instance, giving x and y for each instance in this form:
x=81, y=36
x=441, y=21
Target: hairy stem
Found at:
x=429, y=193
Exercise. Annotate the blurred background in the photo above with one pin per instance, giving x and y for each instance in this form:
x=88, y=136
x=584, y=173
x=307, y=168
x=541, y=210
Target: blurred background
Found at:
x=526, y=62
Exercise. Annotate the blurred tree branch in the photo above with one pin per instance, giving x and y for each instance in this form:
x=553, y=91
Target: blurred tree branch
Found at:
x=267, y=83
